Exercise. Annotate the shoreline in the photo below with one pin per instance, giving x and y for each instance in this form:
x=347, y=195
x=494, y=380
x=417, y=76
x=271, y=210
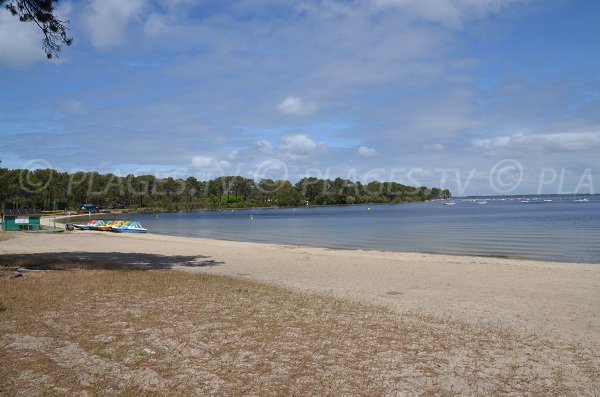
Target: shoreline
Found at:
x=382, y=251
x=359, y=249
x=546, y=298
x=61, y=225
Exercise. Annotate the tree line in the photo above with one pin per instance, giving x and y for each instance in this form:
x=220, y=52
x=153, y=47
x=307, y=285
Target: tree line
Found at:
x=49, y=189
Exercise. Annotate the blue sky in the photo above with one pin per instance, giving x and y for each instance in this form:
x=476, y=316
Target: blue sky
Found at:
x=478, y=96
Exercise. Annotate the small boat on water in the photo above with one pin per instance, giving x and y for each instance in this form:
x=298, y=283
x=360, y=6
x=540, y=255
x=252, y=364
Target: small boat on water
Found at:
x=129, y=227
x=450, y=203
x=89, y=225
x=482, y=202
x=581, y=200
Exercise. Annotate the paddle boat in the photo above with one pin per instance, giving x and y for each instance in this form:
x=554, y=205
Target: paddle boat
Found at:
x=129, y=227
x=90, y=225
x=106, y=227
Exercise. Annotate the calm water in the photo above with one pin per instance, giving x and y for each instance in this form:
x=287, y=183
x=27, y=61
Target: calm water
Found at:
x=560, y=230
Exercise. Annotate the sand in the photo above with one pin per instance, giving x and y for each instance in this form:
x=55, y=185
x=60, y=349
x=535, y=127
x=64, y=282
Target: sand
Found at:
x=555, y=300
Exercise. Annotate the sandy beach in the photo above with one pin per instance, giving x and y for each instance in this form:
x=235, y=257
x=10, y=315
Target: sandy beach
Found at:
x=557, y=300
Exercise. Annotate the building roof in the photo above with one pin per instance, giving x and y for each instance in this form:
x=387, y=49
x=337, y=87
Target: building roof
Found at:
x=21, y=212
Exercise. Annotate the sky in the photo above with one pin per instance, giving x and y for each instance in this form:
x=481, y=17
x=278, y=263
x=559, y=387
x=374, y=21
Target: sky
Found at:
x=477, y=96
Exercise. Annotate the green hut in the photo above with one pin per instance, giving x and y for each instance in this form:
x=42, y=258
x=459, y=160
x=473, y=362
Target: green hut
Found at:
x=89, y=208
x=25, y=219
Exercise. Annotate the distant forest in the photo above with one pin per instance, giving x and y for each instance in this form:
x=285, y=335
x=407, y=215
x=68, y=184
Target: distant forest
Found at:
x=49, y=189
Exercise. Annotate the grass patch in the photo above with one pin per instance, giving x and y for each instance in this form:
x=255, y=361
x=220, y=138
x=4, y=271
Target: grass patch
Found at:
x=173, y=333
x=6, y=235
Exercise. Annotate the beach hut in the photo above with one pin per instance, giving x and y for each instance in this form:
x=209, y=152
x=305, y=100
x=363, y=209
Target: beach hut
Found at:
x=24, y=219
x=89, y=208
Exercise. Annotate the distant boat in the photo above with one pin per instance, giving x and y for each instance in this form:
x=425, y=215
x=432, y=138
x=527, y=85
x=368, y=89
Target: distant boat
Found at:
x=133, y=227
x=547, y=200
x=481, y=202
x=450, y=203
x=581, y=200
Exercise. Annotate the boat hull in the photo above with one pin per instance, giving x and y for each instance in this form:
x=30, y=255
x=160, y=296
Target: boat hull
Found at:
x=126, y=230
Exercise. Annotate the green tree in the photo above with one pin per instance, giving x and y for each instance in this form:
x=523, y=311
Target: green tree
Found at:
x=310, y=188
x=287, y=196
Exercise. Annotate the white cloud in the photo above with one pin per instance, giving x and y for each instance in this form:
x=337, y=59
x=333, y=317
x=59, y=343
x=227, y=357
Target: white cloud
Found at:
x=264, y=147
x=63, y=10
x=107, y=20
x=452, y=13
x=557, y=142
x=174, y=5
x=208, y=163
x=156, y=24
x=367, y=151
x=296, y=106
x=233, y=155
x=169, y=17
x=436, y=147
x=300, y=146
x=20, y=43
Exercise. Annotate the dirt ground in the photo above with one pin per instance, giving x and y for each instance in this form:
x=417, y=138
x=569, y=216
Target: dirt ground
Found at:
x=165, y=332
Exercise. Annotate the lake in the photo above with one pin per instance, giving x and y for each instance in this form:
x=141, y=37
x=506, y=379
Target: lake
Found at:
x=560, y=230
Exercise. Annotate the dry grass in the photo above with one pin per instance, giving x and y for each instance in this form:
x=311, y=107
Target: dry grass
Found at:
x=6, y=235
x=129, y=333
